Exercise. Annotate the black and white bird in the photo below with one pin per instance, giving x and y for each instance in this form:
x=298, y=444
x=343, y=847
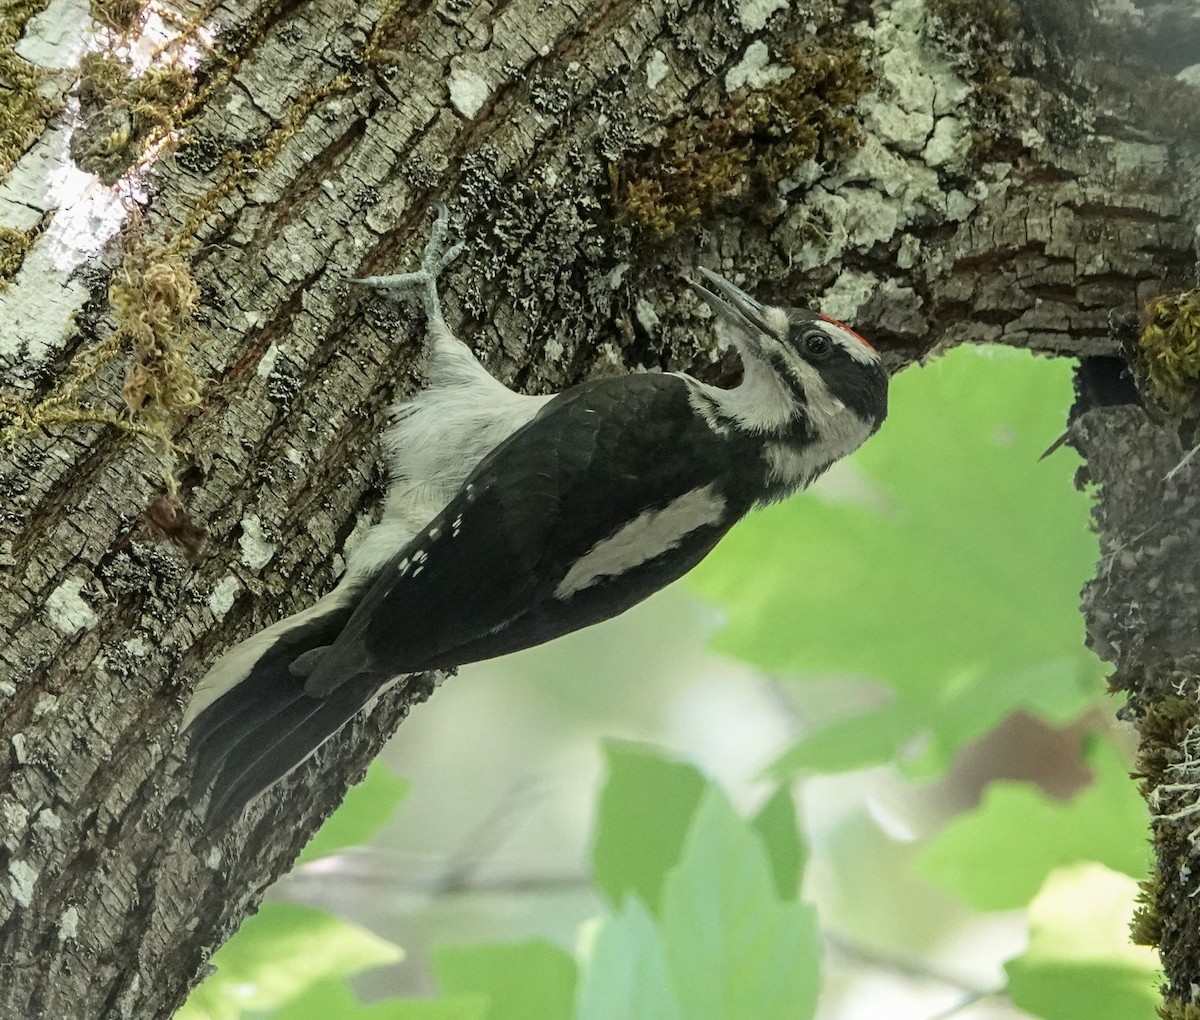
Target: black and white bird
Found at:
x=511, y=520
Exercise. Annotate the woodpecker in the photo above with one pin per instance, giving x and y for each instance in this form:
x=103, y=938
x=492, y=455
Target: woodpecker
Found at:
x=511, y=519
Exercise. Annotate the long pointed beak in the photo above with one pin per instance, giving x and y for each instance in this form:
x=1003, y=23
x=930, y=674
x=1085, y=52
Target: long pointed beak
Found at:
x=732, y=303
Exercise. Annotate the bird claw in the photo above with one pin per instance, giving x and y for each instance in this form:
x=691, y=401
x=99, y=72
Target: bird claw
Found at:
x=435, y=258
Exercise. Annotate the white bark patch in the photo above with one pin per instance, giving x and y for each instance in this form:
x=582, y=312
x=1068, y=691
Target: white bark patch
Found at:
x=756, y=70
x=220, y=599
x=66, y=610
x=48, y=820
x=656, y=68
x=22, y=877
x=646, y=315
x=949, y=143
x=754, y=14
x=136, y=645
x=39, y=305
x=266, y=364
x=45, y=705
x=56, y=37
x=68, y=924
x=14, y=816
x=256, y=550
x=468, y=92
x=847, y=295
x=649, y=535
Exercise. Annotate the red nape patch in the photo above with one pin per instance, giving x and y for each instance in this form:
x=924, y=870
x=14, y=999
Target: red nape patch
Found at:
x=858, y=336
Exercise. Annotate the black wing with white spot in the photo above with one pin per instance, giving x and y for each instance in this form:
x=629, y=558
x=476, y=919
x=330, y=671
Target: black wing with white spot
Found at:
x=536, y=526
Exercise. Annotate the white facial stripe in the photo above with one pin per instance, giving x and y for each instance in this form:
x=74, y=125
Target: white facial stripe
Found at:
x=855, y=347
x=649, y=535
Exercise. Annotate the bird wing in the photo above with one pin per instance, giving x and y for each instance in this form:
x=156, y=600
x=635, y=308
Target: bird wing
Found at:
x=608, y=476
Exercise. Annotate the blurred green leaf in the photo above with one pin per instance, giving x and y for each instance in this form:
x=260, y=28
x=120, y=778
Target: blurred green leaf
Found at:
x=735, y=949
x=521, y=981
x=626, y=975
x=278, y=954
x=998, y=856
x=958, y=587
x=642, y=819
x=779, y=831
x=332, y=999
x=1080, y=964
x=368, y=807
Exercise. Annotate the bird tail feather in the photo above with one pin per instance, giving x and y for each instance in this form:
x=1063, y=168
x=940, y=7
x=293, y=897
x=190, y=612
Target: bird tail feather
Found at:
x=250, y=721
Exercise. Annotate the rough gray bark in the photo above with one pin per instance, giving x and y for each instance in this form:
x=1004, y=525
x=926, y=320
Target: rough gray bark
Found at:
x=1020, y=199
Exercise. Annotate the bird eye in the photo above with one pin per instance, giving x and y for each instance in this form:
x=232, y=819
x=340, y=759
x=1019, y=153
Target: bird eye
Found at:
x=815, y=344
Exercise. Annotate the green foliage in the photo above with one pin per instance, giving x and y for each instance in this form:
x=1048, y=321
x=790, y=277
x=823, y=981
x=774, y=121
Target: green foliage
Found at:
x=286, y=953
x=332, y=999
x=627, y=973
x=645, y=808
x=735, y=948
x=279, y=954
x=957, y=587
x=776, y=825
x=718, y=934
x=988, y=858
x=1080, y=964
x=367, y=808
x=533, y=979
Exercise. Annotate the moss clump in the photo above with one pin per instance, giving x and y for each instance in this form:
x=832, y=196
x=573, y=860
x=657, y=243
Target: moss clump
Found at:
x=978, y=23
x=153, y=297
x=123, y=112
x=756, y=139
x=15, y=245
x=1168, y=352
x=1163, y=728
x=119, y=15
x=23, y=109
x=1177, y=1009
x=1145, y=927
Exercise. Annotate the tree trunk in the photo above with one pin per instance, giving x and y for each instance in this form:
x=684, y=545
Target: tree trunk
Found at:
x=932, y=173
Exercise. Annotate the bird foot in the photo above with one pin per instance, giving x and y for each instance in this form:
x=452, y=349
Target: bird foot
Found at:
x=424, y=280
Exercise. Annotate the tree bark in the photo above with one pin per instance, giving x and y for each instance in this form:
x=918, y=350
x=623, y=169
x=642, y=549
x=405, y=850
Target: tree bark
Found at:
x=961, y=177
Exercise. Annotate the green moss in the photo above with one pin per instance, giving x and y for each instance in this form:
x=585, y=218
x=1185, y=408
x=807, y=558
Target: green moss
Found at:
x=153, y=297
x=14, y=16
x=981, y=39
x=756, y=139
x=1168, y=350
x=15, y=245
x=1177, y=1009
x=1163, y=728
x=119, y=15
x=979, y=23
x=1145, y=927
x=122, y=112
x=23, y=109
